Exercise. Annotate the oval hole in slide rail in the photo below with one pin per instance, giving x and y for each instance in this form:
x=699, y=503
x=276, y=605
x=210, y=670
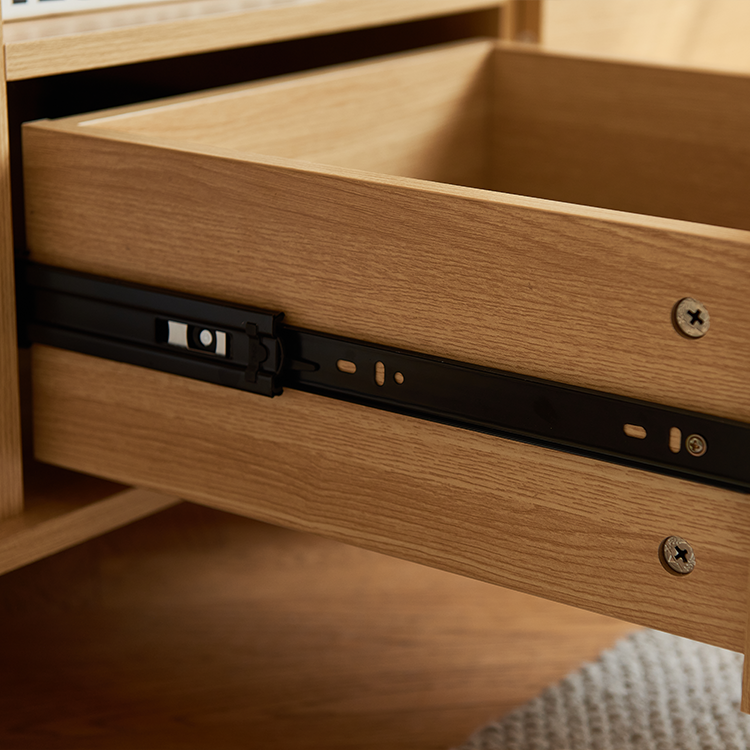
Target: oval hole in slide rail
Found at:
x=379, y=373
x=675, y=439
x=635, y=431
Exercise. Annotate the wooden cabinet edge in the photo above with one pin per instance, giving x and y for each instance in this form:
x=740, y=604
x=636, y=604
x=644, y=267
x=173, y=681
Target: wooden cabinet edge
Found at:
x=35, y=48
x=11, y=484
x=51, y=526
x=523, y=21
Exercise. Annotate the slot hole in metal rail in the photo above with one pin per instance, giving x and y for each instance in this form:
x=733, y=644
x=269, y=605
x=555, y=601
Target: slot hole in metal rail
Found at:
x=379, y=373
x=675, y=439
x=399, y=377
x=344, y=365
x=635, y=431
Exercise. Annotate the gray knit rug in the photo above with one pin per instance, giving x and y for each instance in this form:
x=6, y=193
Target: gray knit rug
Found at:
x=652, y=691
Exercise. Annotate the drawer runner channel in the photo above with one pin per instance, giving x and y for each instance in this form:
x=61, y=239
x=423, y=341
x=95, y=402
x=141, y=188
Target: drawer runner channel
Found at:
x=253, y=350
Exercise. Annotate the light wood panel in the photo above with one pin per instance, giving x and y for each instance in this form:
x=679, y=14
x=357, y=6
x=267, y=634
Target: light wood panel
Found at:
x=11, y=483
x=63, y=509
x=539, y=288
x=573, y=530
x=93, y=40
x=196, y=629
x=424, y=115
x=523, y=21
x=699, y=33
x=646, y=139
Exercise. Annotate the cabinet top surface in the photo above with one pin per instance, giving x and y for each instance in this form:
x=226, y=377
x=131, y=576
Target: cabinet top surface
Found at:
x=42, y=46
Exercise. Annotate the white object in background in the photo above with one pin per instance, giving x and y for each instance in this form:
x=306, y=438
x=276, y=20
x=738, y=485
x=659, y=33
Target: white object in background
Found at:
x=26, y=8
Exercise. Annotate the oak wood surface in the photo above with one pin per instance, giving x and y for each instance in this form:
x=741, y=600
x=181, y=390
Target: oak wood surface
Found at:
x=63, y=509
x=523, y=21
x=30, y=706
x=541, y=288
x=197, y=629
x=365, y=255
x=11, y=482
x=41, y=47
x=574, y=530
x=641, y=138
x=420, y=115
x=696, y=33
x=644, y=139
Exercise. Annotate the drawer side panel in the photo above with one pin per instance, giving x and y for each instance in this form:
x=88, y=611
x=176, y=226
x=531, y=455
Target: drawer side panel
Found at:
x=551, y=524
x=646, y=139
x=570, y=295
x=423, y=114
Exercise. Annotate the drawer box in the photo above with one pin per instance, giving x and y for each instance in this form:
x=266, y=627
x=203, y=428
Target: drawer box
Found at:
x=384, y=201
x=324, y=195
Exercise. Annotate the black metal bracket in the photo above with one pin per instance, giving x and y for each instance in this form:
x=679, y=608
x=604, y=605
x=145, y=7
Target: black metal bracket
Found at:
x=253, y=350
x=190, y=336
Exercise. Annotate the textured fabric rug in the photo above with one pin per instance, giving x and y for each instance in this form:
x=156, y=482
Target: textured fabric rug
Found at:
x=652, y=691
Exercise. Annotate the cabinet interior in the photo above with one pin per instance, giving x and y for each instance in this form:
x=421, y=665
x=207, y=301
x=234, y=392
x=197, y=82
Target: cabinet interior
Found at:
x=649, y=140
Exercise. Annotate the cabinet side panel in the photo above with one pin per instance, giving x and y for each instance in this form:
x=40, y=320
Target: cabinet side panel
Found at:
x=11, y=487
x=562, y=527
x=650, y=140
x=694, y=33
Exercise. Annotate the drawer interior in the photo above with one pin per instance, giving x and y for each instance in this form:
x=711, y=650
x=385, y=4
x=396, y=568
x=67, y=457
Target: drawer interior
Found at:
x=424, y=115
x=658, y=141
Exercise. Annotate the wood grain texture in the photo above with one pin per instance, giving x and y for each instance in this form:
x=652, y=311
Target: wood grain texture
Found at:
x=696, y=33
x=535, y=287
x=11, y=482
x=63, y=510
x=424, y=115
x=196, y=629
x=93, y=40
x=574, y=530
x=646, y=139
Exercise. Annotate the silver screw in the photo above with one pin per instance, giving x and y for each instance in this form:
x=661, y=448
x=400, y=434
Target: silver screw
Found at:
x=691, y=318
x=678, y=554
x=696, y=445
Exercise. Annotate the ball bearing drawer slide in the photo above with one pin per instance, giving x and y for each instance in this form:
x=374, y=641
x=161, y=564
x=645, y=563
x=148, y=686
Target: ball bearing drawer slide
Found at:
x=254, y=350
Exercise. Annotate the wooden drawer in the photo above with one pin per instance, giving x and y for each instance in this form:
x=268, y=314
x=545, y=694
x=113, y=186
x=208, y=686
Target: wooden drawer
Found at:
x=388, y=201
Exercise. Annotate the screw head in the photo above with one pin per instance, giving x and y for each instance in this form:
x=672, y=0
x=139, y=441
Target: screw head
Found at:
x=678, y=554
x=691, y=318
x=696, y=445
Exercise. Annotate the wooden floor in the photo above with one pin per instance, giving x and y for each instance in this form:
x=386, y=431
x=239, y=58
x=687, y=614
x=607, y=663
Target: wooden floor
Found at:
x=198, y=629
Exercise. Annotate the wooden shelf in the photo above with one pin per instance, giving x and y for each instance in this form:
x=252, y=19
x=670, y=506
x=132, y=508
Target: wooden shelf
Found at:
x=198, y=629
x=84, y=41
x=63, y=508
